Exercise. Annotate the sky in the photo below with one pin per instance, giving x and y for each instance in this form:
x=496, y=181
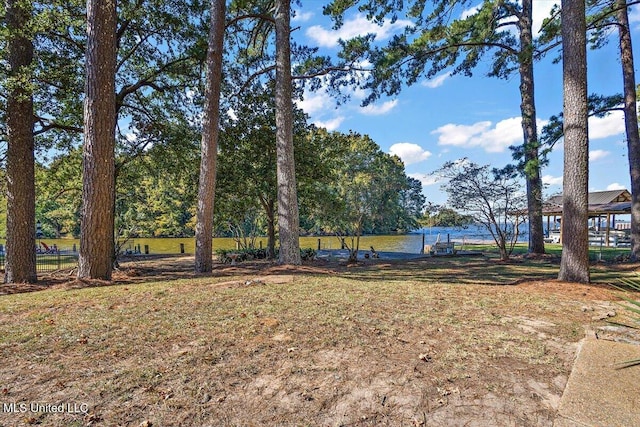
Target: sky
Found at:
x=451, y=117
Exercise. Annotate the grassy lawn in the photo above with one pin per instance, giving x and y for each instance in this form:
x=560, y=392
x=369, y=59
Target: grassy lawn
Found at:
x=596, y=253
x=423, y=342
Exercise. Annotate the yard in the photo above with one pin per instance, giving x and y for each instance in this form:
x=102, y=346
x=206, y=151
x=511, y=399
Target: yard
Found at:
x=434, y=341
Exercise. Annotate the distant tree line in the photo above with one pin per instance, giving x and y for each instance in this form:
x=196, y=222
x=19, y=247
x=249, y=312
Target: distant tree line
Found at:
x=346, y=183
x=445, y=217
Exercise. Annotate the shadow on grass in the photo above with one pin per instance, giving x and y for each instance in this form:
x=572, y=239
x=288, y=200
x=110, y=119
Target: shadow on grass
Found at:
x=457, y=270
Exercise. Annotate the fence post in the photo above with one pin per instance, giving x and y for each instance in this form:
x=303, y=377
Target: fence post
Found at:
x=58, y=255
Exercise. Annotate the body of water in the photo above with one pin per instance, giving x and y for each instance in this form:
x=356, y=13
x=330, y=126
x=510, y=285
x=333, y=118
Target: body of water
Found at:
x=411, y=243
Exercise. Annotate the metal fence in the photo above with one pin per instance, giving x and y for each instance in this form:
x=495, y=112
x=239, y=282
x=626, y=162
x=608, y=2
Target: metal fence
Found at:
x=50, y=261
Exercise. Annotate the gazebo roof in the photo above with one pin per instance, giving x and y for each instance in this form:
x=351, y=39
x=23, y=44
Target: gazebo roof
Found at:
x=600, y=202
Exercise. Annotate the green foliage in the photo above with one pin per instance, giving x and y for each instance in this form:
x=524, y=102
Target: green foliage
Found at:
x=156, y=189
x=446, y=217
x=159, y=93
x=437, y=42
x=552, y=132
x=632, y=308
x=59, y=195
x=227, y=256
x=412, y=202
x=367, y=190
x=246, y=187
x=632, y=284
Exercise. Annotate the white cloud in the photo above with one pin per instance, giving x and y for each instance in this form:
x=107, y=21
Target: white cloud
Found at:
x=459, y=135
x=492, y=139
x=409, y=153
x=507, y=132
x=331, y=124
x=315, y=102
x=597, y=155
x=615, y=186
x=358, y=26
x=552, y=180
x=436, y=81
x=378, y=110
x=541, y=10
x=358, y=93
x=320, y=107
x=302, y=16
x=426, y=179
x=232, y=114
x=603, y=127
x=471, y=11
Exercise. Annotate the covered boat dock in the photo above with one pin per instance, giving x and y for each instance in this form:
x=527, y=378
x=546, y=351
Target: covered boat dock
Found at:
x=603, y=208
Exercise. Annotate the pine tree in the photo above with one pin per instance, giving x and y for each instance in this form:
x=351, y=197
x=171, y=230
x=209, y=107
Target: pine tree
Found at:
x=98, y=167
x=574, y=266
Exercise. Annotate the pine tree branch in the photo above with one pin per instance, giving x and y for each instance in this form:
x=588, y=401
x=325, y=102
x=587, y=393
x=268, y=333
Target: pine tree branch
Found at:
x=47, y=125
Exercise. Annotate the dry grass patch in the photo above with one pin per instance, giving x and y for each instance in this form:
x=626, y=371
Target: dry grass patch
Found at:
x=379, y=344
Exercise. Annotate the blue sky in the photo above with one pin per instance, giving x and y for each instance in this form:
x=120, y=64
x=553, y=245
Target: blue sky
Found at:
x=450, y=117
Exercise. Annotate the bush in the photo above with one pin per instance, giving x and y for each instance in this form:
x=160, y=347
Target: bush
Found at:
x=223, y=255
x=308, y=254
x=632, y=308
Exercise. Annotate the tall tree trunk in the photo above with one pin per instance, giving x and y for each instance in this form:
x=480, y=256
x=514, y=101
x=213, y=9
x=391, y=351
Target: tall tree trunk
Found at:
x=529, y=127
x=288, y=215
x=574, y=265
x=209, y=146
x=631, y=122
x=98, y=163
x=270, y=211
x=21, y=257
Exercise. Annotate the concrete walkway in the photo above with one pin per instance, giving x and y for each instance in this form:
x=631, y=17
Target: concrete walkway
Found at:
x=343, y=254
x=598, y=394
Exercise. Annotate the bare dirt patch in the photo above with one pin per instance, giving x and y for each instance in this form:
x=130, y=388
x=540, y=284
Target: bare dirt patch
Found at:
x=421, y=342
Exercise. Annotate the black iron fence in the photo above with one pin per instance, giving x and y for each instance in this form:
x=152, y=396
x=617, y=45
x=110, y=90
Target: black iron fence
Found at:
x=51, y=260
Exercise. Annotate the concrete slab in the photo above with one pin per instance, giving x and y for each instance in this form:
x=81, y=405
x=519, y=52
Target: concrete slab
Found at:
x=344, y=254
x=597, y=393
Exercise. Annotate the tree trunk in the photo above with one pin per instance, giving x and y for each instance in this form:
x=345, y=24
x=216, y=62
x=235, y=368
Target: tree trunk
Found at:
x=209, y=146
x=529, y=127
x=271, y=228
x=574, y=266
x=631, y=122
x=21, y=256
x=288, y=217
x=504, y=253
x=98, y=163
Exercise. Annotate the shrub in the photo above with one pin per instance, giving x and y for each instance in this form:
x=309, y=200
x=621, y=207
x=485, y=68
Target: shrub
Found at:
x=223, y=255
x=632, y=308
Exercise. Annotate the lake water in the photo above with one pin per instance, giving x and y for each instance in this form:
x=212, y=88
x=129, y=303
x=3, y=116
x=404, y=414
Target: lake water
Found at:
x=411, y=243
